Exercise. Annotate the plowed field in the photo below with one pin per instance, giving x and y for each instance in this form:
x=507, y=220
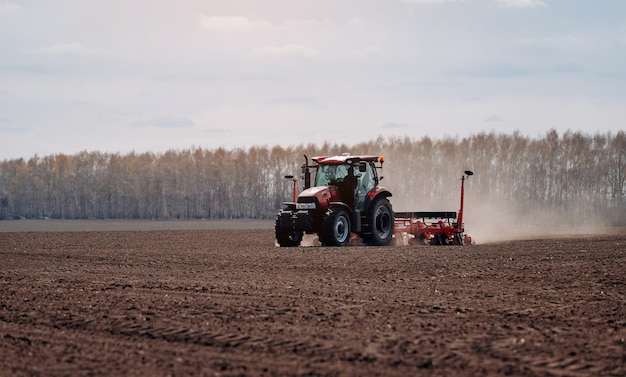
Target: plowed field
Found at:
x=229, y=303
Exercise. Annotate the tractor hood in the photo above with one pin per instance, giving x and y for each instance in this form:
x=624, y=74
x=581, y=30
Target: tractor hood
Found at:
x=320, y=195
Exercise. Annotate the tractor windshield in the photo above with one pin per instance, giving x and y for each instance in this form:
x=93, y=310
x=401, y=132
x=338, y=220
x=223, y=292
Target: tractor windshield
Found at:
x=330, y=175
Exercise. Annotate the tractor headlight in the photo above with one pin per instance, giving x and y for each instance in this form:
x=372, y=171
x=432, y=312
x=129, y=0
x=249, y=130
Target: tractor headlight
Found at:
x=305, y=205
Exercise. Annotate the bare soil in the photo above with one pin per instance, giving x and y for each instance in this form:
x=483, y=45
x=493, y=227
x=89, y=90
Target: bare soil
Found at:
x=219, y=302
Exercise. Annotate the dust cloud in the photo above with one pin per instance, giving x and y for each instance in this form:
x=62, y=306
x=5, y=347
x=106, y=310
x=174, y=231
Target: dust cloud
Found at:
x=489, y=220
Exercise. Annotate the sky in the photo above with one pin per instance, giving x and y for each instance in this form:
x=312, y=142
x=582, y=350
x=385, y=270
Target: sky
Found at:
x=156, y=75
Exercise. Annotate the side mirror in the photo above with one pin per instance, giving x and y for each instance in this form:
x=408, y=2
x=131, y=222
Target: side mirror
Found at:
x=362, y=167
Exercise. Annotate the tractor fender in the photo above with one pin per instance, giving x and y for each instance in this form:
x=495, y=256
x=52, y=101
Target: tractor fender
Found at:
x=288, y=206
x=343, y=205
x=372, y=196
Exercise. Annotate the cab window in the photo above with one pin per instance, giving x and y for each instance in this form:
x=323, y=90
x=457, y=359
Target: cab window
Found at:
x=328, y=175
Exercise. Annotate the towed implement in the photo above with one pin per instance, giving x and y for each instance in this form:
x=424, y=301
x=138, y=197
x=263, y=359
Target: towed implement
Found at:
x=433, y=228
x=345, y=201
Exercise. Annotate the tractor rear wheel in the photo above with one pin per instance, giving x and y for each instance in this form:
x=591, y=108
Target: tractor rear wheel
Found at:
x=380, y=220
x=335, y=228
x=287, y=237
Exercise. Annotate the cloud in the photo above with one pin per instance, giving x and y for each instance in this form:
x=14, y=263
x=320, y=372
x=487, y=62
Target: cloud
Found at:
x=61, y=49
x=368, y=51
x=358, y=22
x=505, y=3
x=231, y=23
x=8, y=8
x=552, y=42
x=505, y=70
x=167, y=121
x=431, y=1
x=494, y=118
x=395, y=125
x=497, y=70
x=286, y=51
x=294, y=100
x=217, y=130
x=522, y=3
x=25, y=68
x=301, y=23
x=13, y=129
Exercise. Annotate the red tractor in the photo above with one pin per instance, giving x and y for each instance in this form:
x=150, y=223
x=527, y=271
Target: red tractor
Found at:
x=344, y=199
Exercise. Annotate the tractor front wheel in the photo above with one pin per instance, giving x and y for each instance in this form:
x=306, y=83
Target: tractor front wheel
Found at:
x=292, y=239
x=287, y=237
x=335, y=228
x=380, y=219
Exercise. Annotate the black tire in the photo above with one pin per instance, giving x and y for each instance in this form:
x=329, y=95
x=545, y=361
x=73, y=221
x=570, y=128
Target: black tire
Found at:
x=336, y=228
x=440, y=239
x=287, y=237
x=381, y=222
x=458, y=239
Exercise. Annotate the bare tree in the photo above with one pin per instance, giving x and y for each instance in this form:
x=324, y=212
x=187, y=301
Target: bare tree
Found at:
x=579, y=177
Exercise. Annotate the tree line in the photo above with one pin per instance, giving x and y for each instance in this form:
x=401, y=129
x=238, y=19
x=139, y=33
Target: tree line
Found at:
x=577, y=178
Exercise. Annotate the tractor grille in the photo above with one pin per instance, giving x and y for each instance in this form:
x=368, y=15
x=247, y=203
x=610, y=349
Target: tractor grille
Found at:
x=307, y=204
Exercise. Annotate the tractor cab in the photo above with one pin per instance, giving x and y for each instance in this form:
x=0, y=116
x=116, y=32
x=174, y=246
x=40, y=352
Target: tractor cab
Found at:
x=354, y=176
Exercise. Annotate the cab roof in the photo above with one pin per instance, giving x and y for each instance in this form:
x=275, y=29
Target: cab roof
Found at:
x=344, y=159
